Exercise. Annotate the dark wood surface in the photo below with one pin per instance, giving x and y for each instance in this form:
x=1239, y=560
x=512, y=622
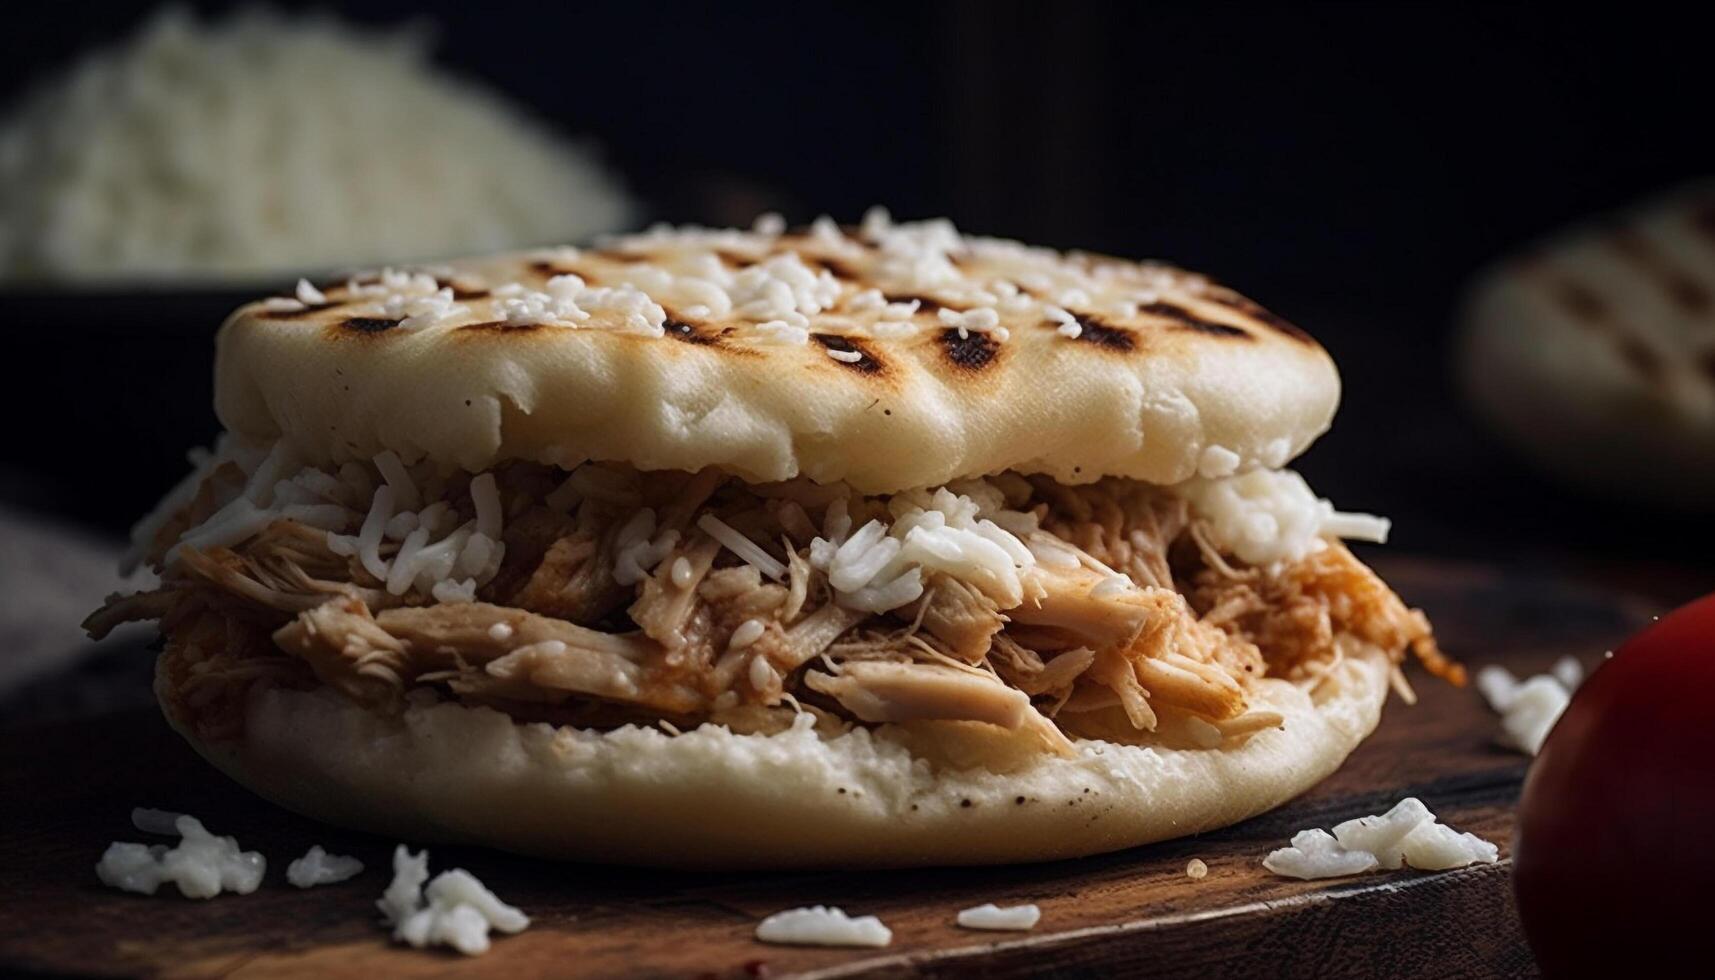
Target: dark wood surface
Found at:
x=68, y=790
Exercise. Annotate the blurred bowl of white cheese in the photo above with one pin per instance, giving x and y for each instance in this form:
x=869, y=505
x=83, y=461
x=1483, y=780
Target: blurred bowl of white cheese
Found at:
x=149, y=188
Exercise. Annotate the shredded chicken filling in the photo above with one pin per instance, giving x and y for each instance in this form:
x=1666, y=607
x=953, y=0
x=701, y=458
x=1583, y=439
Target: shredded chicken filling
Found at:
x=610, y=596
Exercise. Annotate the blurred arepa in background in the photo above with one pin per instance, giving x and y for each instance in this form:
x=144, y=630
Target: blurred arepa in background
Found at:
x=1593, y=354
x=268, y=144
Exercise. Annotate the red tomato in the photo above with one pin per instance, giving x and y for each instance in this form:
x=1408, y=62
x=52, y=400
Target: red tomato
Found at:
x=1614, y=853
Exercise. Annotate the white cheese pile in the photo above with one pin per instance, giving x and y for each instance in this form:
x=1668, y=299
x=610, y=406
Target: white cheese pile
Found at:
x=639, y=548
x=454, y=910
x=318, y=867
x=201, y=865
x=1016, y=918
x=1407, y=835
x=569, y=302
x=1530, y=708
x=1266, y=516
x=270, y=142
x=438, y=555
x=822, y=926
x=880, y=567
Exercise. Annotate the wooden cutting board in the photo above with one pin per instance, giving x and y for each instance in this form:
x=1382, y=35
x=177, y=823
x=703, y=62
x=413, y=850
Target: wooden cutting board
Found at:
x=68, y=791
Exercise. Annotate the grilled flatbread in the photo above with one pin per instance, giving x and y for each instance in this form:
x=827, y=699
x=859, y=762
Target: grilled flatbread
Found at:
x=711, y=798
x=1594, y=353
x=902, y=379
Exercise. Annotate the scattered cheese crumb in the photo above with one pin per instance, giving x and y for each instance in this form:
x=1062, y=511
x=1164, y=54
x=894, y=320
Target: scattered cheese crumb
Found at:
x=318, y=867
x=1316, y=854
x=1530, y=708
x=991, y=916
x=1406, y=836
x=459, y=911
x=1569, y=672
x=202, y=865
x=822, y=926
x=1266, y=516
x=1216, y=462
x=682, y=572
x=748, y=632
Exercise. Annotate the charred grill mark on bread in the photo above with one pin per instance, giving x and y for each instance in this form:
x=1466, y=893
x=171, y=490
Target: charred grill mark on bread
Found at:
x=972, y=353
x=1243, y=304
x=685, y=333
x=924, y=303
x=868, y=362
x=500, y=326
x=1581, y=301
x=1098, y=334
x=1589, y=310
x=368, y=324
x=1687, y=294
x=1184, y=319
x=1642, y=358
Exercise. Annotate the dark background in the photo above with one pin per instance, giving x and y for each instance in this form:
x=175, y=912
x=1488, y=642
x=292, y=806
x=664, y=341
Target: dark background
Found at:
x=1351, y=166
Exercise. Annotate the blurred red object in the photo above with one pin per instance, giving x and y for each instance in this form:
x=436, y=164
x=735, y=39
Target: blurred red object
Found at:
x=1614, y=855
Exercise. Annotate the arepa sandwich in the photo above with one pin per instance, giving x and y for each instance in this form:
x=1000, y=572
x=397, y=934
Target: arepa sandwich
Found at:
x=875, y=545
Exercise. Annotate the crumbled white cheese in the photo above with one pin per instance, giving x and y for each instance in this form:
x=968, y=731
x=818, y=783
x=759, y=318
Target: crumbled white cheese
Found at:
x=762, y=674
x=893, y=329
x=1017, y=918
x=450, y=591
x=1266, y=516
x=1433, y=846
x=1530, y=708
x=1569, y=672
x=734, y=541
x=318, y=867
x=881, y=567
x=781, y=286
x=780, y=290
x=783, y=333
x=309, y=295
x=876, y=222
x=202, y=865
x=1316, y=854
x=416, y=312
x=1406, y=836
x=1216, y=462
x=1382, y=835
x=748, y=632
x=1111, y=586
x=822, y=926
x=404, y=893
x=458, y=912
x=865, y=300
x=638, y=549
